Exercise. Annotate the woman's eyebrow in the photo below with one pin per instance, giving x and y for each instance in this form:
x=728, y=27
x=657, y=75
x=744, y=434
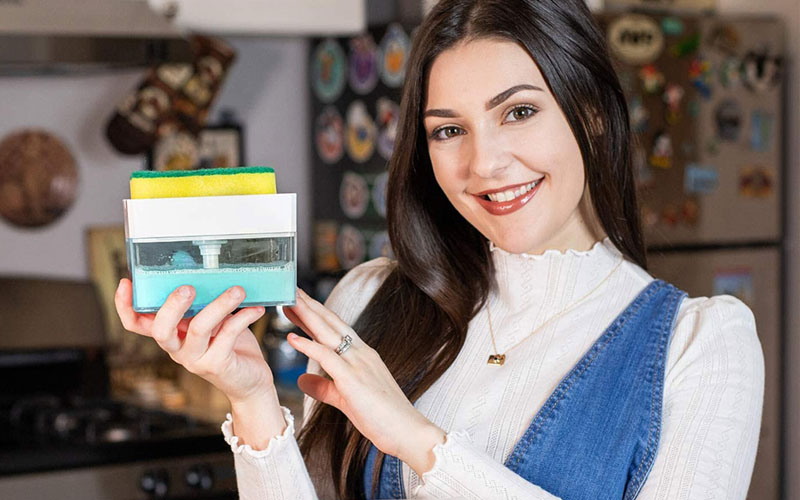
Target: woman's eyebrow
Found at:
x=502, y=96
x=494, y=101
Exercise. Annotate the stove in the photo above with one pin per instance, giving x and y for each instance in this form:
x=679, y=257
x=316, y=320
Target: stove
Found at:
x=75, y=442
x=62, y=435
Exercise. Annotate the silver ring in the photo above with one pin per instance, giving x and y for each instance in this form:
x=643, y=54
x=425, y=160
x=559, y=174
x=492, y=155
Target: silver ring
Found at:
x=347, y=341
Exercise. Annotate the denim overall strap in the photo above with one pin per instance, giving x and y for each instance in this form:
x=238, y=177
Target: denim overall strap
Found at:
x=597, y=434
x=390, y=483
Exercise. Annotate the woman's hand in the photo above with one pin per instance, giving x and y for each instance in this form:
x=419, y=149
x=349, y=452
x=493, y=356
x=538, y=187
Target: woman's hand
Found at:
x=214, y=344
x=362, y=387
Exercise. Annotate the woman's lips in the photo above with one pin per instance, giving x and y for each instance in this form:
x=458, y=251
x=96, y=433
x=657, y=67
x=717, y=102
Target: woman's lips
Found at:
x=507, y=207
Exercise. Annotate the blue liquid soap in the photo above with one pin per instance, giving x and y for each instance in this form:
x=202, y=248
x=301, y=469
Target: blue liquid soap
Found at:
x=263, y=285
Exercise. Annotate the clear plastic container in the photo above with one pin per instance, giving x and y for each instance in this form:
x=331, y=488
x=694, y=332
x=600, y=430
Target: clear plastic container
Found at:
x=181, y=241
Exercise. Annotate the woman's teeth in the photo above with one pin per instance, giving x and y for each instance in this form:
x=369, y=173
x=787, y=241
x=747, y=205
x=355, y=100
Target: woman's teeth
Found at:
x=510, y=195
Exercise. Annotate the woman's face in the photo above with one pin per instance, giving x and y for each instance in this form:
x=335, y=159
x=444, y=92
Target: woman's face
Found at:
x=502, y=150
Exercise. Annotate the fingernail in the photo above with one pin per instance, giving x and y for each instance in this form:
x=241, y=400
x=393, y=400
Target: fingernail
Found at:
x=292, y=336
x=185, y=291
x=236, y=292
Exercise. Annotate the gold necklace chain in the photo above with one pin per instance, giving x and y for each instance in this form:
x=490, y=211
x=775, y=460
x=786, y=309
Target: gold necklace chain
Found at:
x=499, y=359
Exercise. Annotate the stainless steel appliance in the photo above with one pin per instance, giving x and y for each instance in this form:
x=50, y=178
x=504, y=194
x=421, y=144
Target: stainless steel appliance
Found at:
x=62, y=436
x=706, y=98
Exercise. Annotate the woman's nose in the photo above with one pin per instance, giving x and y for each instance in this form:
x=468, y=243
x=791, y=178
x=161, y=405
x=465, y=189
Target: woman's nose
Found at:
x=489, y=156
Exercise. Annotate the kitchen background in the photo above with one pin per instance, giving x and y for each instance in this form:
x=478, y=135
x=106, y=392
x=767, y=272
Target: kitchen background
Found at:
x=267, y=90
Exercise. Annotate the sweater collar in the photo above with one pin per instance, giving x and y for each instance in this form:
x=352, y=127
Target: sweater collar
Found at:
x=549, y=282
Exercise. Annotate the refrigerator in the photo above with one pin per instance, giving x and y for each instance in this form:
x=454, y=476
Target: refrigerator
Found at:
x=355, y=89
x=705, y=95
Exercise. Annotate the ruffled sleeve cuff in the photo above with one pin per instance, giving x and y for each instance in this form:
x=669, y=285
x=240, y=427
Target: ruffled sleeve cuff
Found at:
x=277, y=472
x=275, y=442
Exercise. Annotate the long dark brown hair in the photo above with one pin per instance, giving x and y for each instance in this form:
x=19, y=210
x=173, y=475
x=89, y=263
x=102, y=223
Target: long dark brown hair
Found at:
x=417, y=320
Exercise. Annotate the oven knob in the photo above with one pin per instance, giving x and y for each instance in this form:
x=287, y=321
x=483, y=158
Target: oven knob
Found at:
x=200, y=476
x=155, y=482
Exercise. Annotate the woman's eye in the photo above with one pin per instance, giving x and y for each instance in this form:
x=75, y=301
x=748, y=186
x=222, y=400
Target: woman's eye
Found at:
x=520, y=113
x=444, y=133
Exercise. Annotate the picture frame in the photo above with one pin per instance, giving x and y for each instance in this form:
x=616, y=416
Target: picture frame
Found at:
x=216, y=146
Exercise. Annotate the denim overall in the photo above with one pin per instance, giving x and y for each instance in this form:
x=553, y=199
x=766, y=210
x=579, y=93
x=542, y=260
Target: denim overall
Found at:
x=597, y=434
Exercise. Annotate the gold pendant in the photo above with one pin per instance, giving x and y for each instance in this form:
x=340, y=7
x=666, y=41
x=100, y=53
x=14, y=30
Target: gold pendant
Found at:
x=497, y=359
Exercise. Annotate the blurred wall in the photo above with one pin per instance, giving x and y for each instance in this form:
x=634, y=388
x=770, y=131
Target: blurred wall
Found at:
x=266, y=87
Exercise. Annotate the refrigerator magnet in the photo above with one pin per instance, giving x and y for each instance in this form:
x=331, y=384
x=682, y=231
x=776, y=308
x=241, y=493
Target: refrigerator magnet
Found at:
x=329, y=135
x=661, y=156
x=328, y=70
x=379, y=193
x=353, y=195
x=388, y=115
x=652, y=79
x=670, y=215
x=350, y=248
x=635, y=39
x=700, y=179
x=760, y=71
x=762, y=124
x=360, y=132
x=673, y=95
x=393, y=55
x=735, y=281
x=724, y=38
x=379, y=246
x=649, y=216
x=363, y=64
x=690, y=212
x=671, y=25
x=686, y=46
x=700, y=76
x=756, y=181
x=325, y=235
x=728, y=119
x=730, y=72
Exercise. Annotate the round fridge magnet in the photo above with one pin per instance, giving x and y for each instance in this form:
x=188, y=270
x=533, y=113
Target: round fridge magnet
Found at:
x=360, y=132
x=363, y=64
x=635, y=39
x=728, y=117
x=393, y=55
x=379, y=193
x=379, y=246
x=353, y=195
x=329, y=135
x=328, y=70
x=387, y=118
x=350, y=248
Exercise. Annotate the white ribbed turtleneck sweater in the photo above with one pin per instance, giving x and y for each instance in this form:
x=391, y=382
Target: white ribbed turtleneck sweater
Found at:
x=713, y=391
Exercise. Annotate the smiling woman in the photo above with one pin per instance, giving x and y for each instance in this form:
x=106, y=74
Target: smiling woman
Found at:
x=517, y=347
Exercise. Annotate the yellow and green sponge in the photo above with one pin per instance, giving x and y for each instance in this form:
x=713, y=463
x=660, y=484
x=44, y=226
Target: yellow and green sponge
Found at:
x=205, y=182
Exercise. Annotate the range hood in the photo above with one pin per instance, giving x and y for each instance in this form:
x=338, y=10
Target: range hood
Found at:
x=56, y=36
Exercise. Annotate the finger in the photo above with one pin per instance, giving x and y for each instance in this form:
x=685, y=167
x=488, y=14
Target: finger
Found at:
x=222, y=344
x=329, y=316
x=332, y=363
x=131, y=320
x=319, y=329
x=287, y=310
x=320, y=389
x=168, y=317
x=208, y=321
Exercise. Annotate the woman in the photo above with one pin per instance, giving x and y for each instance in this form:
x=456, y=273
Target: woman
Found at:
x=517, y=347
